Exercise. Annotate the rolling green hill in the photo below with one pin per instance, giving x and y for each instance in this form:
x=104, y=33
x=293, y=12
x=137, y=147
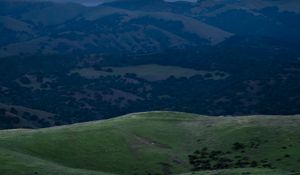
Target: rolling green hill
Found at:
x=156, y=143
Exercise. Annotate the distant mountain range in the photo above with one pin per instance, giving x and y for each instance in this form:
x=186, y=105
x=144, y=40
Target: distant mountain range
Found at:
x=94, y=2
x=139, y=26
x=83, y=2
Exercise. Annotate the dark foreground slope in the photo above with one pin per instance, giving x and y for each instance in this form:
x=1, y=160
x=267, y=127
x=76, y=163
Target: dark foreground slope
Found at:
x=156, y=143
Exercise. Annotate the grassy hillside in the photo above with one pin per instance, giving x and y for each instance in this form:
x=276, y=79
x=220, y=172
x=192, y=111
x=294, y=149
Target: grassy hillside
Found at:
x=155, y=142
x=151, y=72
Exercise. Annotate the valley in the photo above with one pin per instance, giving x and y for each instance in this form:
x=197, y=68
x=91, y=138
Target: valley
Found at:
x=85, y=63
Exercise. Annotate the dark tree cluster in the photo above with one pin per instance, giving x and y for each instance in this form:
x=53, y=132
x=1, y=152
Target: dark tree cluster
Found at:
x=8, y=121
x=206, y=159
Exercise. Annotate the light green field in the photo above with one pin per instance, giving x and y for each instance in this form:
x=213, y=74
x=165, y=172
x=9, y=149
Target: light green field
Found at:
x=243, y=171
x=154, y=142
x=151, y=72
